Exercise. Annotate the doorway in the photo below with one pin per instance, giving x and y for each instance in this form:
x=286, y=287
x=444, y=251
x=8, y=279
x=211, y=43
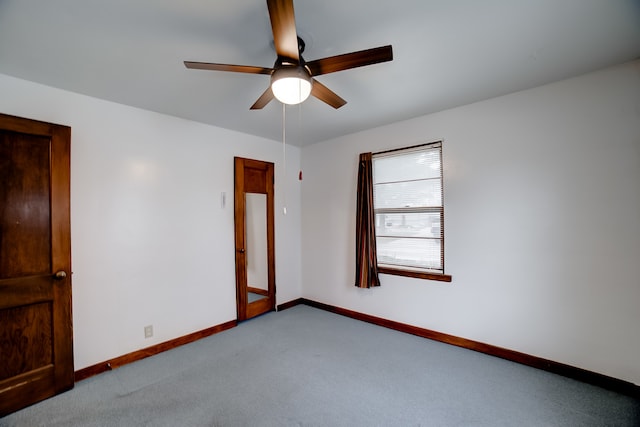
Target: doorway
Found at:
x=254, y=238
x=36, y=335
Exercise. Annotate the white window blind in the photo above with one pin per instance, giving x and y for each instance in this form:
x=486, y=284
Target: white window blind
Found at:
x=408, y=205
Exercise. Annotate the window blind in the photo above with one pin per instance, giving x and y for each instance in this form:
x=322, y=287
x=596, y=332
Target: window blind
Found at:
x=408, y=206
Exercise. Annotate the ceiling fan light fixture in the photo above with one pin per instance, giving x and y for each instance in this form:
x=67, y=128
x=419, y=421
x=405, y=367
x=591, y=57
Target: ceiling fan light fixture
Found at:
x=291, y=85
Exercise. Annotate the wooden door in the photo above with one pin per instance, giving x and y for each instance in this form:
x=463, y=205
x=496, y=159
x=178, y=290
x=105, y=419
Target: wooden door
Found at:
x=36, y=344
x=254, y=237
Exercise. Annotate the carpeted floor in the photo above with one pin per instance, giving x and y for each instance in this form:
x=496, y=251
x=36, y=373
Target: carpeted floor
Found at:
x=307, y=367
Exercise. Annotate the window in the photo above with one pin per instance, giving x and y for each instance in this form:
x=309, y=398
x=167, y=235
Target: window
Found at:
x=408, y=206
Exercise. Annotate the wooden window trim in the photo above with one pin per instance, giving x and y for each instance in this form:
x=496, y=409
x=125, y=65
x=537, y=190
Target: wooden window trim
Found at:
x=441, y=277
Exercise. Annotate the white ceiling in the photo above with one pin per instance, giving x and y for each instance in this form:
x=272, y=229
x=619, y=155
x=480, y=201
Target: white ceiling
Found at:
x=446, y=53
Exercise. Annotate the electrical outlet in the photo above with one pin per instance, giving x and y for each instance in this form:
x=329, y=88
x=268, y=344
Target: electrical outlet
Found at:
x=148, y=331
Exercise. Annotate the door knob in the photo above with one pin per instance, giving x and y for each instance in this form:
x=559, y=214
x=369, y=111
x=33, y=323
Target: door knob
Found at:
x=60, y=275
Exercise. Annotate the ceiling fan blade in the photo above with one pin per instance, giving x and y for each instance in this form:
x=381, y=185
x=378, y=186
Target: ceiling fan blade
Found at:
x=350, y=60
x=227, y=67
x=326, y=95
x=283, y=25
x=264, y=99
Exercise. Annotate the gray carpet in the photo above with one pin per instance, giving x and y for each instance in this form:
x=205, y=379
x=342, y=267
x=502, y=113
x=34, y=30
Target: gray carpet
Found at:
x=307, y=367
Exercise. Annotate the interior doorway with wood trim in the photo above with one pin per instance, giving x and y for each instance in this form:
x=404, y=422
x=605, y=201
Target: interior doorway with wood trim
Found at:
x=254, y=237
x=36, y=335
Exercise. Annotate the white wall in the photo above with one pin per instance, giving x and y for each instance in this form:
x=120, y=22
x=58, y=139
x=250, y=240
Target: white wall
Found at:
x=542, y=223
x=151, y=243
x=530, y=179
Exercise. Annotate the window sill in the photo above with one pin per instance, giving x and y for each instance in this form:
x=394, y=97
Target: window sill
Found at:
x=415, y=274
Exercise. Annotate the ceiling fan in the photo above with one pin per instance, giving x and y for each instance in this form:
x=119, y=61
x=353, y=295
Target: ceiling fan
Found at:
x=292, y=78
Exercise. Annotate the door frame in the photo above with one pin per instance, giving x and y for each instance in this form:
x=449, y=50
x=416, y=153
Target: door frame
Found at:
x=253, y=176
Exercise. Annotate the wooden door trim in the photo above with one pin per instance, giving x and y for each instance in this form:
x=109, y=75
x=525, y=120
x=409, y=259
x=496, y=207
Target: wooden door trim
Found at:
x=61, y=255
x=245, y=185
x=240, y=244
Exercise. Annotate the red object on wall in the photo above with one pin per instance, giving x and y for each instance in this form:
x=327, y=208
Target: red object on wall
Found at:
x=300, y=175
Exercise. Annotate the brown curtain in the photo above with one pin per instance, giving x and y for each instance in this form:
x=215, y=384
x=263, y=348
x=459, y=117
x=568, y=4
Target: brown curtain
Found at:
x=366, y=259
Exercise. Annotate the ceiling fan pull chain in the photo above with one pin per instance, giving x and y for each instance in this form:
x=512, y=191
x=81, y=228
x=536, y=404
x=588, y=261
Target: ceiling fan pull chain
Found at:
x=284, y=159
